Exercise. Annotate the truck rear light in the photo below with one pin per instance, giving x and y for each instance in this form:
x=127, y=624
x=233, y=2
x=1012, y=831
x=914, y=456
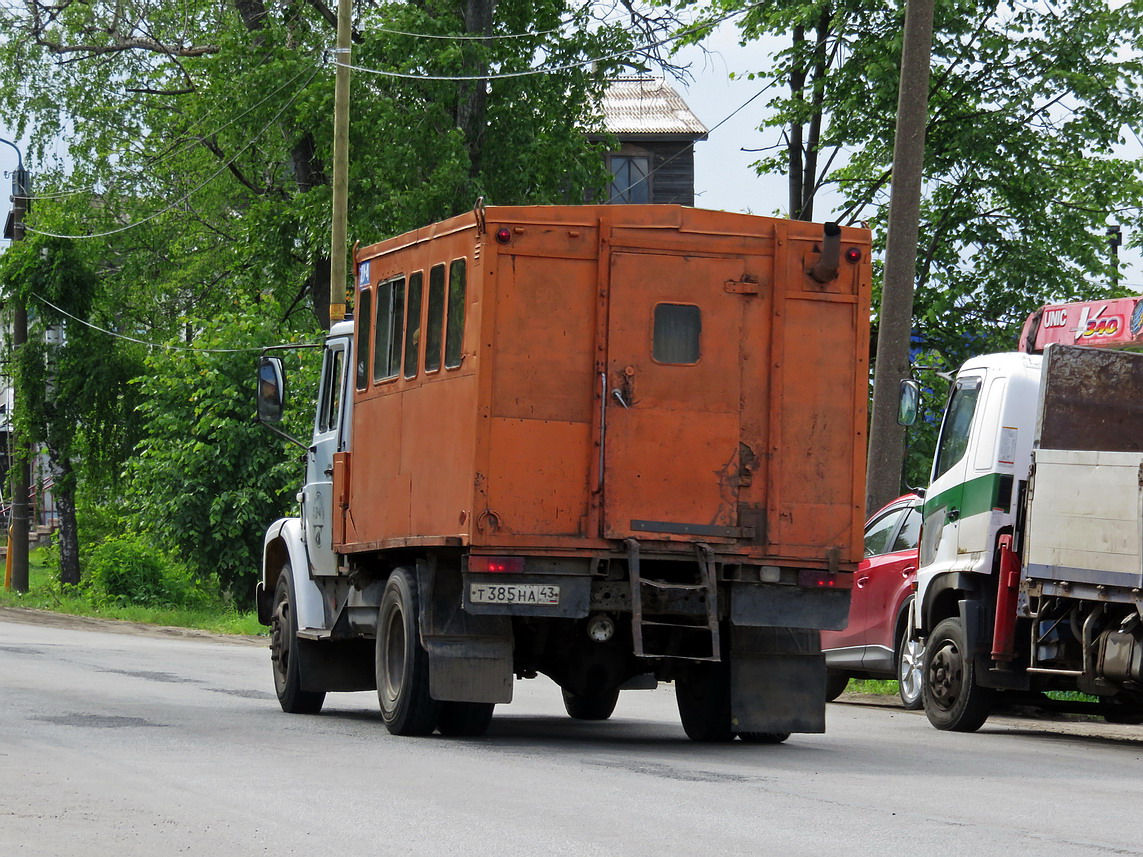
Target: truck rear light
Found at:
x=503, y=564
x=503, y=235
x=853, y=254
x=824, y=579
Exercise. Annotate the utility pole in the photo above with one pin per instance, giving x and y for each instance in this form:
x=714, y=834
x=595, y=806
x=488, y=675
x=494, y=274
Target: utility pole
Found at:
x=337, y=264
x=18, y=463
x=895, y=318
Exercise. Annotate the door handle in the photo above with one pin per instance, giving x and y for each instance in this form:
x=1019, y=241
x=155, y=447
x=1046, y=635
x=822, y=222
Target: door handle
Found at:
x=905, y=572
x=952, y=515
x=861, y=581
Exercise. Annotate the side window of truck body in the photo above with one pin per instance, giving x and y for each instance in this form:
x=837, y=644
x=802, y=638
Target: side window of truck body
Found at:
x=434, y=322
x=413, y=325
x=454, y=333
x=954, y=438
x=388, y=346
x=364, y=323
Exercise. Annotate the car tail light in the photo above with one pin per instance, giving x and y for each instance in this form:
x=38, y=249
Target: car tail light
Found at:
x=825, y=579
x=502, y=564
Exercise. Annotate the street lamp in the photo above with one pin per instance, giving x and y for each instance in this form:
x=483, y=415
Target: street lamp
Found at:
x=16, y=564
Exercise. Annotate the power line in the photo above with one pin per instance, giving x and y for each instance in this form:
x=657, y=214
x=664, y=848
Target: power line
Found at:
x=547, y=69
x=124, y=336
x=226, y=165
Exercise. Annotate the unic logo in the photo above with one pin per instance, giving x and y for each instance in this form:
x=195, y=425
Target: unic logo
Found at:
x=1055, y=318
x=1097, y=326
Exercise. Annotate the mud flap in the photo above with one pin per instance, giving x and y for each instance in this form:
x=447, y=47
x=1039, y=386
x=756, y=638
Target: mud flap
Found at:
x=470, y=657
x=777, y=680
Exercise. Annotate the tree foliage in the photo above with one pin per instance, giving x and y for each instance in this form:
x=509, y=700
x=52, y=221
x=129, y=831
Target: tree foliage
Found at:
x=196, y=177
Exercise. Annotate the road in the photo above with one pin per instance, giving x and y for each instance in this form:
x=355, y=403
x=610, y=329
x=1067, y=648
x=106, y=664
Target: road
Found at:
x=158, y=744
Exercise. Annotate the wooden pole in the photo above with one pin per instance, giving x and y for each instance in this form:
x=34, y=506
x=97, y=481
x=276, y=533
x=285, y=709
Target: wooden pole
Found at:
x=337, y=260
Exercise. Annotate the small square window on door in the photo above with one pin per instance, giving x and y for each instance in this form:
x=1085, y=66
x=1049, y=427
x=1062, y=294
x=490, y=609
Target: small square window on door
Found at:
x=677, y=334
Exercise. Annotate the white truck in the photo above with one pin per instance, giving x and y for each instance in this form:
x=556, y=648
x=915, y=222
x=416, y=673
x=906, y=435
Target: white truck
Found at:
x=1030, y=572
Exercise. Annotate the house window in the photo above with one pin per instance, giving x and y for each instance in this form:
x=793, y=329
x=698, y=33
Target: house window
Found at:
x=630, y=179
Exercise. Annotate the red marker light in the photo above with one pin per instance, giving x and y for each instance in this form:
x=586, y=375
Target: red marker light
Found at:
x=824, y=580
x=501, y=564
x=504, y=235
x=853, y=254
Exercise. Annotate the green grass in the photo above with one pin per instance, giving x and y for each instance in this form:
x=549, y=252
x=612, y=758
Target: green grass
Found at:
x=45, y=593
x=882, y=687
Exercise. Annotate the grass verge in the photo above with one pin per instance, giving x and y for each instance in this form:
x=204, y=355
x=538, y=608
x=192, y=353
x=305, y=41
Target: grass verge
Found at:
x=45, y=593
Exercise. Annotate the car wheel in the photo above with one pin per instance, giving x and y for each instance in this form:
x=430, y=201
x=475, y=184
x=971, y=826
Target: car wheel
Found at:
x=910, y=671
x=836, y=683
x=284, y=652
x=953, y=700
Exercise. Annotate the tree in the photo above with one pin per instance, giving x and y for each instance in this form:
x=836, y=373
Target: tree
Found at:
x=199, y=139
x=1027, y=109
x=72, y=381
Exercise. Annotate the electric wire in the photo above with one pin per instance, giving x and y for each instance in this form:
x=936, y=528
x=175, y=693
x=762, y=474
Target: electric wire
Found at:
x=226, y=165
x=674, y=37
x=166, y=345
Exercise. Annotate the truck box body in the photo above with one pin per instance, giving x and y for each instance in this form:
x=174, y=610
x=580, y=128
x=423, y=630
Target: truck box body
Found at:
x=647, y=372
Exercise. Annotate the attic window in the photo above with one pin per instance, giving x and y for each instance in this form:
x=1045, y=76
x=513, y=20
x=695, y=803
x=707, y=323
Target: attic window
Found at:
x=630, y=179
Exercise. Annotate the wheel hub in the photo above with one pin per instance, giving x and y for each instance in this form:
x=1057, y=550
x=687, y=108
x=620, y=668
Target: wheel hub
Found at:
x=946, y=674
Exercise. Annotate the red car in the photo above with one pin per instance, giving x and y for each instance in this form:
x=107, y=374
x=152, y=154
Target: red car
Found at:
x=876, y=644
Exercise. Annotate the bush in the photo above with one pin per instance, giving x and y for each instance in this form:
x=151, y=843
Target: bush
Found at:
x=122, y=570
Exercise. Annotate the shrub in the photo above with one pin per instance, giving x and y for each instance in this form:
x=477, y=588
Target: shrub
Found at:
x=127, y=569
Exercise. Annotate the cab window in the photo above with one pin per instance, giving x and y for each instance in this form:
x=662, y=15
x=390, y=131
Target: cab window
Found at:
x=910, y=533
x=958, y=422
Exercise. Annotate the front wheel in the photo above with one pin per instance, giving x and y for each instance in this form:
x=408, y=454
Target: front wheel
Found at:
x=763, y=737
x=402, y=662
x=284, y=652
x=910, y=671
x=953, y=700
x=591, y=706
x=836, y=683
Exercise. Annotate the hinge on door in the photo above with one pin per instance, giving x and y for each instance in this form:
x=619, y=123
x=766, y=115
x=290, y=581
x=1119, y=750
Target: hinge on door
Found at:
x=740, y=287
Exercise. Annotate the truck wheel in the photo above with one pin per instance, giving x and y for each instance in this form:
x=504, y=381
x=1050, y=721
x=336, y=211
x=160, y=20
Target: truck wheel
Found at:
x=703, y=695
x=591, y=706
x=953, y=700
x=464, y=719
x=763, y=737
x=836, y=683
x=402, y=662
x=284, y=652
x=910, y=671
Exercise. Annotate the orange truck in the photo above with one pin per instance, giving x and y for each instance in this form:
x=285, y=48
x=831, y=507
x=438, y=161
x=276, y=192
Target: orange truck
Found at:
x=616, y=445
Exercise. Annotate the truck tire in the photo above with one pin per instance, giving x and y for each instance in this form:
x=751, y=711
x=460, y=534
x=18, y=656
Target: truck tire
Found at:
x=464, y=719
x=953, y=700
x=763, y=737
x=703, y=696
x=591, y=706
x=910, y=671
x=402, y=662
x=836, y=683
x=284, y=652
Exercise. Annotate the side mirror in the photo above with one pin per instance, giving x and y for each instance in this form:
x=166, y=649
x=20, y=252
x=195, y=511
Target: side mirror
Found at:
x=271, y=390
x=908, y=401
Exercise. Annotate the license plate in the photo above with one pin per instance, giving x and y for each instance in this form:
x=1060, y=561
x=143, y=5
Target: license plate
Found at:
x=513, y=593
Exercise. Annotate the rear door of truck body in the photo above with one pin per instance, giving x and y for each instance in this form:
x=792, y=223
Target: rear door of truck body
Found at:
x=673, y=406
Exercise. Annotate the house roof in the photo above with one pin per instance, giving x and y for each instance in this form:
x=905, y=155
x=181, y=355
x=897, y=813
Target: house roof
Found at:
x=648, y=108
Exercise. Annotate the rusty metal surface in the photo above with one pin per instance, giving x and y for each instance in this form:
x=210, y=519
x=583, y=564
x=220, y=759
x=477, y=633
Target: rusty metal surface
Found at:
x=1092, y=399
x=759, y=440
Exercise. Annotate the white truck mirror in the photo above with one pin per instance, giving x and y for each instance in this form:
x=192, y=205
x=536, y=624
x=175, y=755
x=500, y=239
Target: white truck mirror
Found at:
x=271, y=390
x=910, y=397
